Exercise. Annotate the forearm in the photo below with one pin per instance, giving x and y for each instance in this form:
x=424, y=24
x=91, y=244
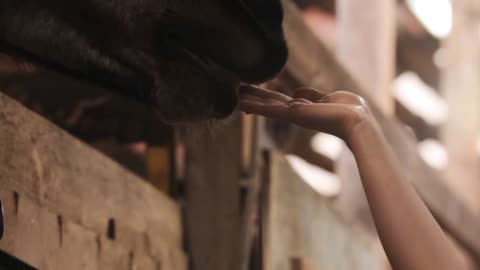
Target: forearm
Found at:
x=410, y=235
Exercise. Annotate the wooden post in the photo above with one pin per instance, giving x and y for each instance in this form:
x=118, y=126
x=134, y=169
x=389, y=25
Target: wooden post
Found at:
x=251, y=187
x=159, y=161
x=300, y=263
x=158, y=167
x=219, y=217
x=366, y=49
x=461, y=88
x=366, y=45
x=213, y=174
x=67, y=206
x=310, y=63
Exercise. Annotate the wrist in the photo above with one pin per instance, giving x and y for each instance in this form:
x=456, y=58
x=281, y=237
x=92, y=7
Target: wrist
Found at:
x=364, y=128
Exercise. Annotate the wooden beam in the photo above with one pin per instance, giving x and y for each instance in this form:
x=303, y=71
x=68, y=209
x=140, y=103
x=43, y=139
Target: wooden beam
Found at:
x=461, y=88
x=301, y=228
x=67, y=206
x=420, y=127
x=158, y=163
x=301, y=263
x=213, y=212
x=313, y=65
x=416, y=47
x=366, y=46
x=224, y=174
x=252, y=173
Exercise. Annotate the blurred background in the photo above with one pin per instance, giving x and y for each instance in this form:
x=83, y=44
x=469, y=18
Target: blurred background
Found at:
x=418, y=61
x=249, y=193
x=426, y=66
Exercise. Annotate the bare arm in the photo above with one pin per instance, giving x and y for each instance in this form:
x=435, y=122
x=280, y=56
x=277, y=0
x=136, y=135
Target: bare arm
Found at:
x=411, y=237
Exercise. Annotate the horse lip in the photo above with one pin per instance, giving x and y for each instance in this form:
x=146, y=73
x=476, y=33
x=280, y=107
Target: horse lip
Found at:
x=247, y=10
x=213, y=69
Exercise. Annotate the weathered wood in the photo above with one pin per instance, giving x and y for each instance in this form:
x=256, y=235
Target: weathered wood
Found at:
x=303, y=149
x=302, y=224
x=301, y=264
x=366, y=46
x=252, y=169
x=159, y=167
x=313, y=65
x=213, y=174
x=416, y=47
x=247, y=226
x=420, y=127
x=220, y=218
x=461, y=88
x=249, y=143
x=67, y=194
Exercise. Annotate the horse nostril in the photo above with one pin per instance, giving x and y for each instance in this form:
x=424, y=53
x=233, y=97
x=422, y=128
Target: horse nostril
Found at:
x=224, y=104
x=269, y=66
x=268, y=13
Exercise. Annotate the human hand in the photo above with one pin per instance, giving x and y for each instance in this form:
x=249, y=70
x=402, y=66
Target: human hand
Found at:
x=337, y=113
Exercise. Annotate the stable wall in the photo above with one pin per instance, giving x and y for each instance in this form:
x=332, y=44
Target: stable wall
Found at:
x=302, y=228
x=66, y=206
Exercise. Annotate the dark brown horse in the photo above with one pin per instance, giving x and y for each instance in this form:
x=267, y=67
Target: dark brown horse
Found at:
x=185, y=58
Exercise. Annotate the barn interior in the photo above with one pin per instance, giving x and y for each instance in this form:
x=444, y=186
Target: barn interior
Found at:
x=92, y=179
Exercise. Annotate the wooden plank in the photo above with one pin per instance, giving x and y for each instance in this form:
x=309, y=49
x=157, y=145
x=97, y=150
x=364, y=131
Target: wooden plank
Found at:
x=213, y=174
x=55, y=172
x=300, y=263
x=460, y=86
x=416, y=47
x=249, y=143
x=300, y=223
x=252, y=172
x=313, y=65
x=50, y=241
x=159, y=167
x=220, y=218
x=420, y=127
x=366, y=46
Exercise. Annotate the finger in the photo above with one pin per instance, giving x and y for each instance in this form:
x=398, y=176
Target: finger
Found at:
x=310, y=115
x=298, y=101
x=260, y=100
x=278, y=111
x=310, y=94
x=326, y=117
x=264, y=93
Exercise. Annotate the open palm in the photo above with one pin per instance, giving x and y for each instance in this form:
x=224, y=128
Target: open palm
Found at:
x=335, y=113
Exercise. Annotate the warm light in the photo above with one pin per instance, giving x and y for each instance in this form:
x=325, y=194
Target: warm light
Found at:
x=478, y=145
x=435, y=15
x=327, y=145
x=440, y=58
x=325, y=183
x=433, y=153
x=420, y=99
